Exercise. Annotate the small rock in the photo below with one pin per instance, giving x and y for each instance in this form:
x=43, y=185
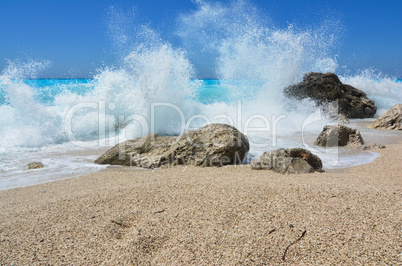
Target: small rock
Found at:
x=340, y=118
x=338, y=135
x=35, y=165
x=373, y=146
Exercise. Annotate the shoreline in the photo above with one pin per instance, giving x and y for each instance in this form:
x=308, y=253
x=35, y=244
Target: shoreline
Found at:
x=208, y=215
x=52, y=176
x=65, y=160
x=79, y=162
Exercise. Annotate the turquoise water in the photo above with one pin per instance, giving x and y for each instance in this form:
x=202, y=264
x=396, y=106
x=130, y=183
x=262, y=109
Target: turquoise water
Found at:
x=66, y=123
x=45, y=90
x=59, y=121
x=211, y=91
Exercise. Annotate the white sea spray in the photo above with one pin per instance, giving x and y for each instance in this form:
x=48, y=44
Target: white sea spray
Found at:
x=156, y=87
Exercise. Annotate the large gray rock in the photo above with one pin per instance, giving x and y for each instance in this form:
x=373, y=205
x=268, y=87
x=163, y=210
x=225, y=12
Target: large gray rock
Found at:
x=328, y=89
x=212, y=145
x=289, y=161
x=339, y=135
x=391, y=119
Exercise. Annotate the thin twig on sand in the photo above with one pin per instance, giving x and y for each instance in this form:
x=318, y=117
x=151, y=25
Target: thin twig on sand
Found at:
x=118, y=223
x=294, y=242
x=270, y=232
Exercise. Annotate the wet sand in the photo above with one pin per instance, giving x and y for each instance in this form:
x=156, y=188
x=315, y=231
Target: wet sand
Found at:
x=228, y=215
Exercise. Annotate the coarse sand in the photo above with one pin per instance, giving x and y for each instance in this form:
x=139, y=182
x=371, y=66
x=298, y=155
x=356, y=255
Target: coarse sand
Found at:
x=229, y=215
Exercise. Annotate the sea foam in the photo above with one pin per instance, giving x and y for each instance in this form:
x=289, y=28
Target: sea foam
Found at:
x=156, y=88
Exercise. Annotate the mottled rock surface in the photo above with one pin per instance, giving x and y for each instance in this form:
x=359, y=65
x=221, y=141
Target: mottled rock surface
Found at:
x=35, y=165
x=212, y=145
x=391, y=119
x=288, y=161
x=340, y=119
x=339, y=135
x=327, y=89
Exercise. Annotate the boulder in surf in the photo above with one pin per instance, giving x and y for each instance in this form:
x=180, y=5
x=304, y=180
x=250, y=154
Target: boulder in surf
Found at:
x=288, y=161
x=327, y=90
x=339, y=135
x=390, y=120
x=212, y=145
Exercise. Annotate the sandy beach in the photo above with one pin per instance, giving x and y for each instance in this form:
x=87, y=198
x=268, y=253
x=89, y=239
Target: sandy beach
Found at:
x=228, y=215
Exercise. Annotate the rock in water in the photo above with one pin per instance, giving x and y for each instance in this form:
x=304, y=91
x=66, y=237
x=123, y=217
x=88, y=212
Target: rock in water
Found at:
x=290, y=161
x=339, y=135
x=340, y=119
x=35, y=165
x=212, y=145
x=327, y=88
x=391, y=119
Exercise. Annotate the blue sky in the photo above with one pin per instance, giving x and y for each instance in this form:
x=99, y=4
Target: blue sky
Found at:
x=76, y=35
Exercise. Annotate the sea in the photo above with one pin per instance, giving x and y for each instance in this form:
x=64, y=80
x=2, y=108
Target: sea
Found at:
x=155, y=88
x=67, y=123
